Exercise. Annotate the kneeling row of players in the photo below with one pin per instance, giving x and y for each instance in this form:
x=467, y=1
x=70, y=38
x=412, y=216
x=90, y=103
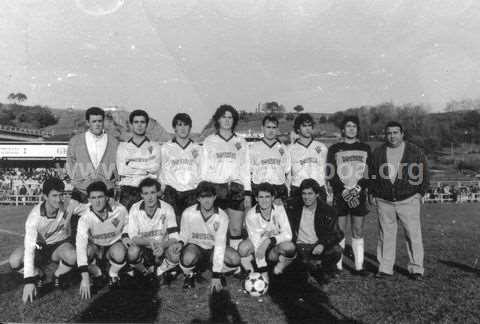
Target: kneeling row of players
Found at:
x=148, y=240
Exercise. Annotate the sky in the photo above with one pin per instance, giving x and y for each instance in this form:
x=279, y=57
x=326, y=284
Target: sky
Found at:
x=169, y=56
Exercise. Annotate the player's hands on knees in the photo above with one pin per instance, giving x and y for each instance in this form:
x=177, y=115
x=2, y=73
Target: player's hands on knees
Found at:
x=29, y=292
x=262, y=250
x=157, y=248
x=216, y=285
x=85, y=287
x=127, y=242
x=318, y=249
x=176, y=247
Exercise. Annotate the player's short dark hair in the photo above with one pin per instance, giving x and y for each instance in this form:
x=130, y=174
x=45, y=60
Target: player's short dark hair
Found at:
x=138, y=112
x=149, y=182
x=184, y=118
x=302, y=119
x=52, y=183
x=270, y=118
x=205, y=187
x=353, y=119
x=94, y=111
x=97, y=186
x=266, y=187
x=310, y=184
x=393, y=123
x=221, y=111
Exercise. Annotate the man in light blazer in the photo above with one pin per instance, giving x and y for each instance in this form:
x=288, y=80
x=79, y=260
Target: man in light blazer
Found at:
x=91, y=156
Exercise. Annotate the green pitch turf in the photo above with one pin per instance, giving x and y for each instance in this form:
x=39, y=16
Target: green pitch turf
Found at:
x=448, y=294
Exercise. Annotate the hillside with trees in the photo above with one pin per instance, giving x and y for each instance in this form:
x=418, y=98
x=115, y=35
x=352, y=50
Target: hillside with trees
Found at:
x=64, y=123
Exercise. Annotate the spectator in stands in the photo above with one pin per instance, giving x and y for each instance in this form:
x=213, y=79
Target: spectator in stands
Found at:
x=23, y=191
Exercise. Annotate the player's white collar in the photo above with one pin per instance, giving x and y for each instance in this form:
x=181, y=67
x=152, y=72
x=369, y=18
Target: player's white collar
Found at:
x=43, y=210
x=142, y=205
x=108, y=209
x=226, y=139
x=146, y=139
x=306, y=146
x=174, y=140
x=272, y=145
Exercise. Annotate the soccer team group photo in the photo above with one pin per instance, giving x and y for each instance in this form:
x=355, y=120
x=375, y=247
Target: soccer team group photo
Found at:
x=235, y=161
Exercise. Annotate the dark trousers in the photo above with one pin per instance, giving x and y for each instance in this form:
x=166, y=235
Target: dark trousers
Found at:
x=328, y=259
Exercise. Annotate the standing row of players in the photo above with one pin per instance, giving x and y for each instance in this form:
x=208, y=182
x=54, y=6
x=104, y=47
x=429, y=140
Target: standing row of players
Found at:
x=216, y=180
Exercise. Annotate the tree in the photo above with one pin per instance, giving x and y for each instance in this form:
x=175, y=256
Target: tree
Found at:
x=298, y=108
x=12, y=97
x=270, y=107
x=21, y=97
x=17, y=97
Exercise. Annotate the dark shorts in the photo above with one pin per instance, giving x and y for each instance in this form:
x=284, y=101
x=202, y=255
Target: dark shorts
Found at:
x=281, y=192
x=102, y=250
x=179, y=200
x=343, y=210
x=43, y=254
x=295, y=193
x=148, y=258
x=129, y=195
x=230, y=196
x=205, y=259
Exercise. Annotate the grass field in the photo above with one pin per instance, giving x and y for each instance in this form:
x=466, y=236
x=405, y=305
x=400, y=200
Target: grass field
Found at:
x=448, y=294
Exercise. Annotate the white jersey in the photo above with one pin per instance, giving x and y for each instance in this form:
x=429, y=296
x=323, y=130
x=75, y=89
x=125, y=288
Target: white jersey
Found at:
x=208, y=234
x=226, y=160
x=269, y=163
x=44, y=230
x=259, y=229
x=137, y=162
x=308, y=162
x=161, y=226
x=180, y=165
x=91, y=228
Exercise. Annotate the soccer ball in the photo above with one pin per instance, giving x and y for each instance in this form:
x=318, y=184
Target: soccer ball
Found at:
x=255, y=285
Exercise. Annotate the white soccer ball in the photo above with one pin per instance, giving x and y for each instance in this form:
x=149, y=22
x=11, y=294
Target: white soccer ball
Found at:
x=255, y=285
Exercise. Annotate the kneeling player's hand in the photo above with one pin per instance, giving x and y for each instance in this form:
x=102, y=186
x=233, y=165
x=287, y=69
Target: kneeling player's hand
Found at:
x=29, y=292
x=317, y=250
x=216, y=285
x=157, y=248
x=262, y=250
x=127, y=242
x=85, y=288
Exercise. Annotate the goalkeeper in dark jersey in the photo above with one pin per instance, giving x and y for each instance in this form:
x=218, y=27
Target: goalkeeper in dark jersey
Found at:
x=348, y=172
